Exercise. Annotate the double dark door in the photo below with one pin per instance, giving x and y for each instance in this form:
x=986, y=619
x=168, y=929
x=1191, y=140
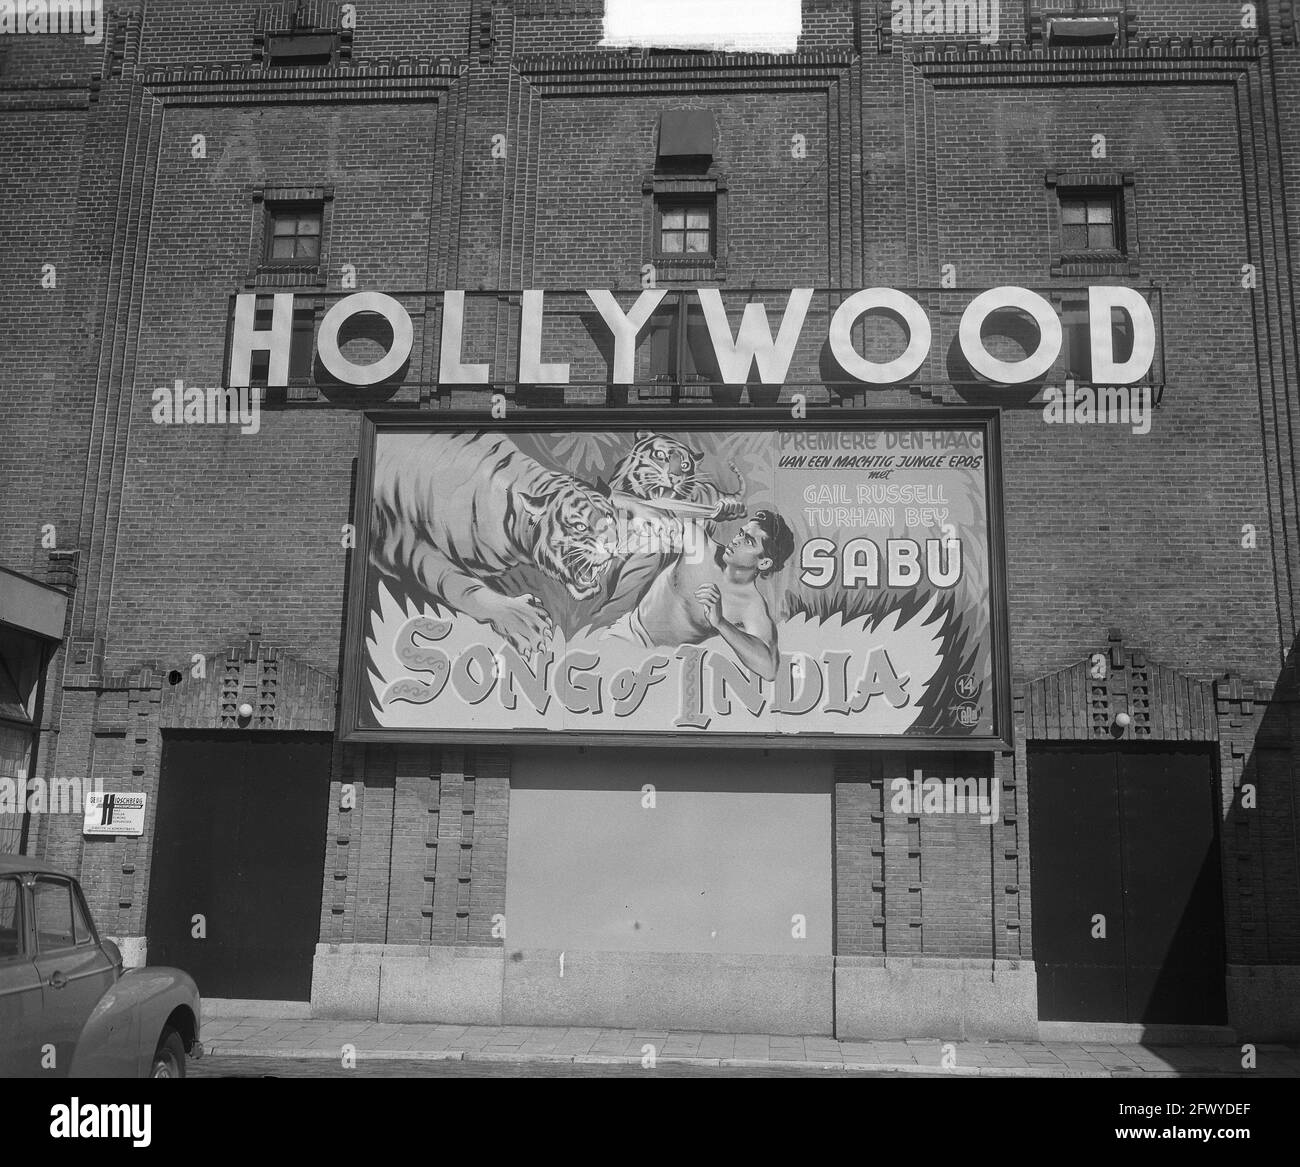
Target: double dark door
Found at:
x=1127, y=895
x=235, y=889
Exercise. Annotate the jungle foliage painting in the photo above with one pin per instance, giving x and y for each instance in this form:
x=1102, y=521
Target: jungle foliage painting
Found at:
x=687, y=580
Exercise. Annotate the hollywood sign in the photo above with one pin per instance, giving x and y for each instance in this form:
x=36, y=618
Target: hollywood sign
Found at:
x=737, y=352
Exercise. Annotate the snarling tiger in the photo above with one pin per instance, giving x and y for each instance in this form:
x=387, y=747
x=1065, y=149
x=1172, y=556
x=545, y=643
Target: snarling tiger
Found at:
x=658, y=466
x=452, y=511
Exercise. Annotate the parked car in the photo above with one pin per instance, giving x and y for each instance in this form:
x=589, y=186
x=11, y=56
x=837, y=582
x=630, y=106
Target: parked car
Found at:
x=68, y=1008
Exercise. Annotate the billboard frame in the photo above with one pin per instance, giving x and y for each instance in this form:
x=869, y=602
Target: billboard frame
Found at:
x=375, y=422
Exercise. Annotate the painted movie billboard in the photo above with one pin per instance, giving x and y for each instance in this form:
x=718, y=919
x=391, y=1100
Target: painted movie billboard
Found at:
x=659, y=575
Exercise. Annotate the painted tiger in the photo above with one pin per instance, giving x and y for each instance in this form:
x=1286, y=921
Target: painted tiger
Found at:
x=451, y=511
x=658, y=466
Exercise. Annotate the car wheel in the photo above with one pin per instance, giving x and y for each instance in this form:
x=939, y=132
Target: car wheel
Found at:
x=169, y=1057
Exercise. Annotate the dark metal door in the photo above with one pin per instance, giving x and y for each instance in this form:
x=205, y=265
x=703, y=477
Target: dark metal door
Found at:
x=1173, y=900
x=1074, y=844
x=1124, y=841
x=240, y=842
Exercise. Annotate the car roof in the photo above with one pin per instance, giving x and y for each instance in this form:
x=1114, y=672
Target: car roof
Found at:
x=11, y=864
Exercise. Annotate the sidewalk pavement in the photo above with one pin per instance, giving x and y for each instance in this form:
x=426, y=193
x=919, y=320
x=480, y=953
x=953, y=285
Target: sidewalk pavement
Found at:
x=287, y=1038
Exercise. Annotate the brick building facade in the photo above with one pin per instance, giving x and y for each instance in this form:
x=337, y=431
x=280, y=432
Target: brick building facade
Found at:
x=494, y=145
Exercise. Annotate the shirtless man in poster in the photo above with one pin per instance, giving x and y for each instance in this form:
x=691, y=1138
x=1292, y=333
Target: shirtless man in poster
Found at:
x=704, y=595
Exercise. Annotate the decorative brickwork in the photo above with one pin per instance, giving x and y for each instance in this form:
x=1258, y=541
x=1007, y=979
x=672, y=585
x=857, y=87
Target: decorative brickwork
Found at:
x=1038, y=14
x=1080, y=703
x=302, y=17
x=914, y=884
x=285, y=694
x=419, y=858
x=1255, y=727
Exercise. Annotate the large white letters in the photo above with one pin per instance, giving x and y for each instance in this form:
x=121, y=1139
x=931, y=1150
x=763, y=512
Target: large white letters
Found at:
x=754, y=341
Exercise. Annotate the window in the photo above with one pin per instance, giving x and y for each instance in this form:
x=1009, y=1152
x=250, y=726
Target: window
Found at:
x=1081, y=24
x=288, y=239
x=1090, y=222
x=298, y=49
x=293, y=234
x=685, y=226
x=1094, y=222
x=53, y=903
x=12, y=941
x=80, y=924
x=300, y=33
x=685, y=199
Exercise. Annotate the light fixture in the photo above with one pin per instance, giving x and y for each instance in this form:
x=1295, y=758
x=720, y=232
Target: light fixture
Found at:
x=1123, y=720
x=245, y=711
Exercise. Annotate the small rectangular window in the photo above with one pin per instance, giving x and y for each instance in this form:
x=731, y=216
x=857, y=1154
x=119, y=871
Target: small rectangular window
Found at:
x=12, y=941
x=296, y=49
x=293, y=234
x=685, y=228
x=1090, y=222
x=52, y=900
x=1083, y=24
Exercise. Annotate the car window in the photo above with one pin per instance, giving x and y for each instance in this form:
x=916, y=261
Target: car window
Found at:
x=53, y=902
x=11, y=919
x=79, y=924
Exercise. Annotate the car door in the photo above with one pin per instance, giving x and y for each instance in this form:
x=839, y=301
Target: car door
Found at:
x=20, y=986
x=74, y=971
